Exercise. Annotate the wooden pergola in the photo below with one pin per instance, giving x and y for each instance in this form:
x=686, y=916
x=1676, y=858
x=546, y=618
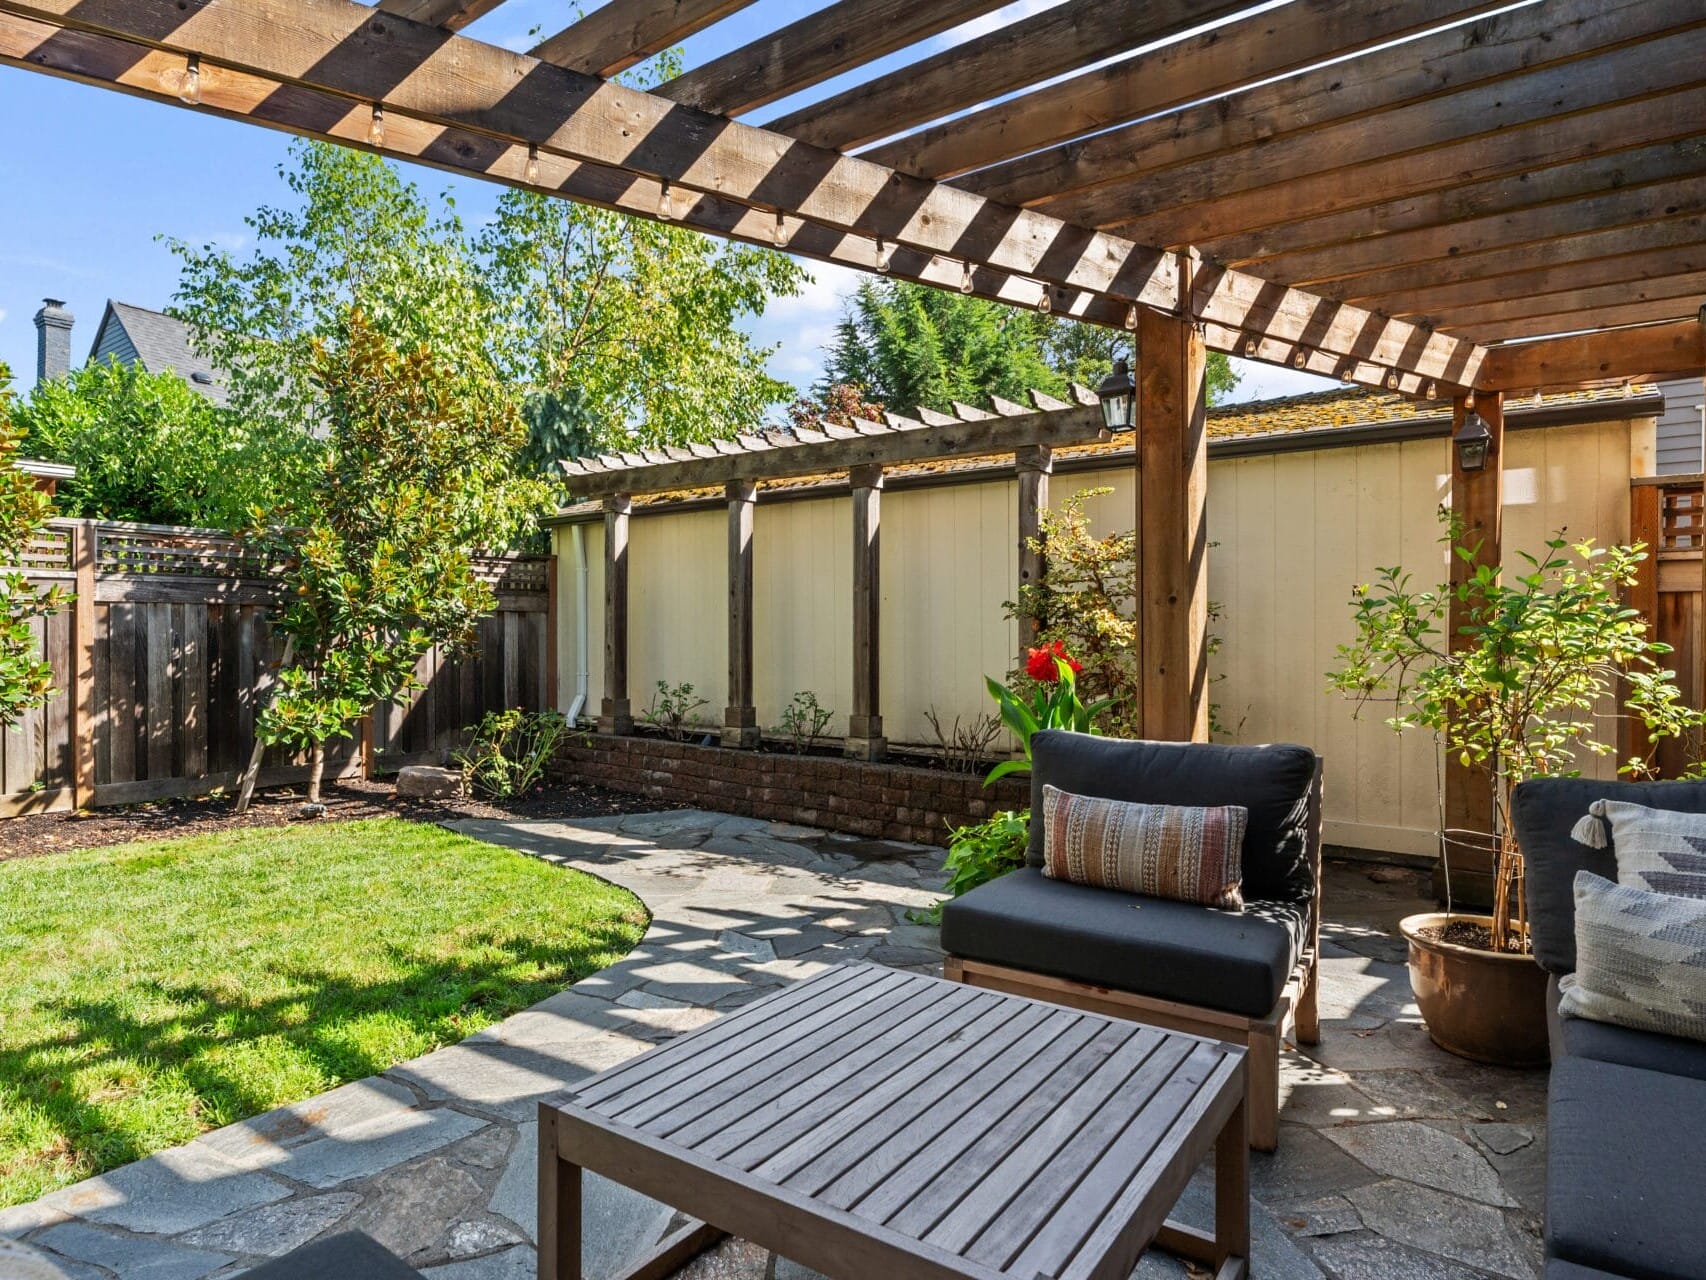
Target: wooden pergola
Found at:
x=1419, y=195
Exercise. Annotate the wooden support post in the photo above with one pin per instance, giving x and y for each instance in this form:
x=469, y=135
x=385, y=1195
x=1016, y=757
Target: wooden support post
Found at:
x=83, y=709
x=740, y=717
x=1477, y=501
x=1172, y=527
x=865, y=725
x=552, y=694
x=1035, y=463
x=1646, y=526
x=618, y=715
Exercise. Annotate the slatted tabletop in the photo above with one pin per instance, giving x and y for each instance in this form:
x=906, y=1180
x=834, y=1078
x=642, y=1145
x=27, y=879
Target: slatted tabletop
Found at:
x=874, y=1122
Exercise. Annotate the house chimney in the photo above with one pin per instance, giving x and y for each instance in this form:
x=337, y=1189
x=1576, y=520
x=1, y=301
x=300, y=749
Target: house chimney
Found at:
x=53, y=340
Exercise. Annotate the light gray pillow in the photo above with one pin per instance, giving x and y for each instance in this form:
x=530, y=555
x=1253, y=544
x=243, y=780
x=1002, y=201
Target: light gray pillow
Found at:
x=1658, y=849
x=1640, y=959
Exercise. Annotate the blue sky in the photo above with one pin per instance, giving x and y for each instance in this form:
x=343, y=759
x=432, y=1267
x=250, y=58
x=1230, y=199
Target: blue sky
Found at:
x=92, y=178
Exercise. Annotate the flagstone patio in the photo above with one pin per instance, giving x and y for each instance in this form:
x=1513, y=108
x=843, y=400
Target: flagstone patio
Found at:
x=1396, y=1161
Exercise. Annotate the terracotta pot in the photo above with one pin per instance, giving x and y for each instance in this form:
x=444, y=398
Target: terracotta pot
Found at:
x=1480, y=1005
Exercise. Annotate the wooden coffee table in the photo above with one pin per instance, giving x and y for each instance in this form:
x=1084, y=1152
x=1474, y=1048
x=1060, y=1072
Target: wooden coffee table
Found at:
x=870, y=1123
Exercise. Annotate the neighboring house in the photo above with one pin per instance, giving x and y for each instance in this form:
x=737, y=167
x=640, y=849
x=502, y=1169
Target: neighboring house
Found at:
x=131, y=335
x=1682, y=427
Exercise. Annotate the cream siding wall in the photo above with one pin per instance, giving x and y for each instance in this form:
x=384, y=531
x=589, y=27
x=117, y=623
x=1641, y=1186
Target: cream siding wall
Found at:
x=1293, y=532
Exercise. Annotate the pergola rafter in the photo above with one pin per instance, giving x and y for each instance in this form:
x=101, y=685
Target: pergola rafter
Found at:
x=1290, y=180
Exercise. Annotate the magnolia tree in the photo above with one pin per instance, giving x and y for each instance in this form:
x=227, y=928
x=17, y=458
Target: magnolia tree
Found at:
x=26, y=680
x=1547, y=659
x=417, y=475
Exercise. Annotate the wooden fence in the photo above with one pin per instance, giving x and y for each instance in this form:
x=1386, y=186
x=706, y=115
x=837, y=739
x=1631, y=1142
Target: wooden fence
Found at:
x=1668, y=513
x=161, y=658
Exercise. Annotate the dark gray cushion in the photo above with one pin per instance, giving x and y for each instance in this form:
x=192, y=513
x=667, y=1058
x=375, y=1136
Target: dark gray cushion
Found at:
x=1621, y=1195
x=351, y=1256
x=1605, y=1042
x=1272, y=782
x=1559, y=1270
x=1234, y=961
x=1543, y=811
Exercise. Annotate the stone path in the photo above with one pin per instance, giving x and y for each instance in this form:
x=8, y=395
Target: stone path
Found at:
x=1396, y=1161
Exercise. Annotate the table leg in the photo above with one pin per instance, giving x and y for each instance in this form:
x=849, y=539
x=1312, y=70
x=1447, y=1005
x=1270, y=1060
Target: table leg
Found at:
x=559, y=1207
x=1232, y=1197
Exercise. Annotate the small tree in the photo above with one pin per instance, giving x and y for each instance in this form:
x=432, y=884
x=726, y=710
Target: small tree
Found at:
x=418, y=474
x=26, y=680
x=1523, y=691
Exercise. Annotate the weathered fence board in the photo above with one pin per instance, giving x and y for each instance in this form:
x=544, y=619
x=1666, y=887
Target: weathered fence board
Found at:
x=1668, y=514
x=160, y=663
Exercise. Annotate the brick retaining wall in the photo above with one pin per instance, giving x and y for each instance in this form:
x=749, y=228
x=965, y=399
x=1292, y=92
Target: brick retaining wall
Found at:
x=884, y=801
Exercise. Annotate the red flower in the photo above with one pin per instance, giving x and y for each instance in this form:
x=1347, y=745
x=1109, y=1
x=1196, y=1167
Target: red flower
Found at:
x=1040, y=662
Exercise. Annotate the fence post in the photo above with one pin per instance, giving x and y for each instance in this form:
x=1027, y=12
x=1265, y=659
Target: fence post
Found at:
x=865, y=725
x=1035, y=463
x=740, y=718
x=83, y=665
x=618, y=715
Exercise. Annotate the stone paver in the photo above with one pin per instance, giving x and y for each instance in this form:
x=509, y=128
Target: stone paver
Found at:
x=1396, y=1161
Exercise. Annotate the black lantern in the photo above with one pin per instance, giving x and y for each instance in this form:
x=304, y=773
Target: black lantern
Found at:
x=1473, y=441
x=1119, y=398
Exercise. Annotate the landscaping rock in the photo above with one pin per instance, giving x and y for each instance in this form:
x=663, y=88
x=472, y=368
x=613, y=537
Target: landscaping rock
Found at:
x=429, y=782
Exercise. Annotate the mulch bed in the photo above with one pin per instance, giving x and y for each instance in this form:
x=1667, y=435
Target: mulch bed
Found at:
x=43, y=833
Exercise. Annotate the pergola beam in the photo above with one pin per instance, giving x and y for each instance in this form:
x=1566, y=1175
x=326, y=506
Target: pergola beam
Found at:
x=1035, y=48
x=620, y=33
x=1167, y=200
x=496, y=109
x=1672, y=289
x=452, y=15
x=1668, y=350
x=846, y=34
x=1604, y=317
x=1267, y=44
x=1088, y=176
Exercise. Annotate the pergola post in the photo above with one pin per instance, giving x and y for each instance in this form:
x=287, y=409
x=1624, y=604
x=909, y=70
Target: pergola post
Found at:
x=1035, y=463
x=618, y=716
x=1172, y=527
x=740, y=717
x=1478, y=502
x=865, y=724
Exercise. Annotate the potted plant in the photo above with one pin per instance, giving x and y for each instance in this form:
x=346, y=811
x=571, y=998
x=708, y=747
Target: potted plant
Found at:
x=1544, y=663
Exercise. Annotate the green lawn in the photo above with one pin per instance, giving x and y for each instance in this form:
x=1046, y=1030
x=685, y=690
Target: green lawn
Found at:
x=151, y=991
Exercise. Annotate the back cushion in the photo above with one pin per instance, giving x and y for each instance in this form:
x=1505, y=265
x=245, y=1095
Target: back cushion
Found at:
x=1271, y=782
x=1543, y=812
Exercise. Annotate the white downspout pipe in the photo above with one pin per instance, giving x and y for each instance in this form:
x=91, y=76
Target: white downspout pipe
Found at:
x=582, y=580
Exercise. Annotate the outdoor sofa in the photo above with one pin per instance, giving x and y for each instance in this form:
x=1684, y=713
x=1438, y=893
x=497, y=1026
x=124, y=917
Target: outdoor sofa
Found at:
x=1233, y=976
x=1626, y=1109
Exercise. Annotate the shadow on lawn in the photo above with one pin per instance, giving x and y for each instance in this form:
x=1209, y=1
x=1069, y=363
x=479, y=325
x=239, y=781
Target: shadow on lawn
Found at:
x=436, y=1001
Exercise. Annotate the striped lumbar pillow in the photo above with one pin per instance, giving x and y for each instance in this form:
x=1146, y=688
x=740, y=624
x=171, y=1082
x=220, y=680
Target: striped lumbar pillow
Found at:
x=1160, y=850
x=1640, y=959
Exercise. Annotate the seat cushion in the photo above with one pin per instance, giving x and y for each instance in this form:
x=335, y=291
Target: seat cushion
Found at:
x=1604, y=1042
x=351, y=1256
x=1237, y=962
x=1272, y=782
x=1623, y=1147
x=1544, y=811
x=1557, y=1269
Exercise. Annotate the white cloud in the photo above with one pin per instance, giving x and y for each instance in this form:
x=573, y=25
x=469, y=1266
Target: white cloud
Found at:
x=820, y=296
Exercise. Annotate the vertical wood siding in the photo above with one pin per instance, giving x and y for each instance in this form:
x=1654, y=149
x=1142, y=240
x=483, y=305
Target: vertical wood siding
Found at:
x=1292, y=534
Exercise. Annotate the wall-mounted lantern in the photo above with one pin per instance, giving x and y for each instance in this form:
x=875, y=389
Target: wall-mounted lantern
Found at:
x=1119, y=398
x=1473, y=441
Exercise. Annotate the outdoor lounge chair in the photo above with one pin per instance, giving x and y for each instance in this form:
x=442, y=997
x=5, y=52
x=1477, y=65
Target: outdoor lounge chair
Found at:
x=1234, y=976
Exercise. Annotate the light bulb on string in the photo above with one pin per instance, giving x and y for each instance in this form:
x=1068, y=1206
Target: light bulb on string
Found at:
x=189, y=86
x=1131, y=317
x=1047, y=303
x=666, y=202
x=530, y=174
x=781, y=233
x=885, y=255
x=376, y=128
x=966, y=280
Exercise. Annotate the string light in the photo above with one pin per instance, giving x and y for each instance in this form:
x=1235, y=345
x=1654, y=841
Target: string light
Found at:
x=1392, y=380
x=1047, y=304
x=530, y=174
x=666, y=202
x=376, y=129
x=1250, y=347
x=1131, y=317
x=189, y=87
x=885, y=255
x=1300, y=358
x=780, y=234
x=966, y=280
